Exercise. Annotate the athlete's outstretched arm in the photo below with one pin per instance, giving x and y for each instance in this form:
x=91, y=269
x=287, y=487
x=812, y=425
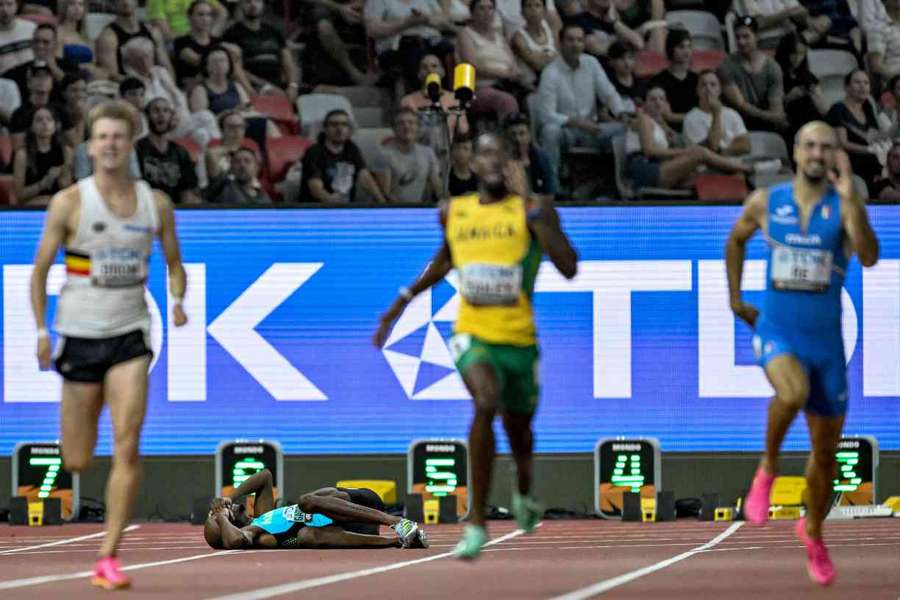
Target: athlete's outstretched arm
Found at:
x=750, y=220
x=232, y=537
x=168, y=239
x=544, y=223
x=54, y=236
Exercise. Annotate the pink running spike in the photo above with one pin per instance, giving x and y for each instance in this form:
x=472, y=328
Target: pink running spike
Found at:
x=756, y=508
x=108, y=575
x=818, y=563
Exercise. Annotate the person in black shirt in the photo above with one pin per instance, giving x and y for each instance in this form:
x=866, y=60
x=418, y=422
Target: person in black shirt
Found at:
x=267, y=61
x=631, y=88
x=541, y=176
x=678, y=81
x=888, y=188
x=602, y=27
x=333, y=166
x=191, y=49
x=44, y=45
x=165, y=165
x=241, y=185
x=40, y=85
x=44, y=165
x=803, y=98
x=855, y=121
x=462, y=180
x=125, y=27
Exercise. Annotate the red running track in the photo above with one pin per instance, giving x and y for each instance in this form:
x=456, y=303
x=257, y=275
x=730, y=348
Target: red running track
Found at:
x=562, y=559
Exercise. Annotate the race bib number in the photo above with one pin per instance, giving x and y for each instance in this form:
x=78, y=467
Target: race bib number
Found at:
x=801, y=269
x=490, y=285
x=118, y=267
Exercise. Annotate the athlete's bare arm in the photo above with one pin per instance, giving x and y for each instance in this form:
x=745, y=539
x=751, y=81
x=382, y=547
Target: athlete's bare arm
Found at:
x=751, y=219
x=56, y=229
x=260, y=484
x=543, y=221
x=168, y=239
x=436, y=270
x=853, y=212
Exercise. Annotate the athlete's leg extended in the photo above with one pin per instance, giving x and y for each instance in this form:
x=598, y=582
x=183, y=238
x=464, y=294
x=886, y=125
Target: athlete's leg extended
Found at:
x=335, y=537
x=791, y=383
x=521, y=441
x=126, y=395
x=825, y=433
x=80, y=410
x=483, y=383
x=337, y=506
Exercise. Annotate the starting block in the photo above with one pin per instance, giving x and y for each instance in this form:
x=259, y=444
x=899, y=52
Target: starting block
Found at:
x=385, y=488
x=723, y=513
x=893, y=503
x=35, y=512
x=431, y=508
x=777, y=513
x=648, y=510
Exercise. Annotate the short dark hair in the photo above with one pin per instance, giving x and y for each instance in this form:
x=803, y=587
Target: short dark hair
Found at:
x=71, y=78
x=674, y=39
x=849, y=76
x=195, y=4
x=568, y=26
x=514, y=120
x=748, y=22
x=618, y=49
x=49, y=26
x=403, y=110
x=129, y=84
x=217, y=48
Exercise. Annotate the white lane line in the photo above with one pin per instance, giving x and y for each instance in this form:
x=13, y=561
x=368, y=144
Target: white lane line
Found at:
x=29, y=581
x=608, y=584
x=305, y=584
x=123, y=550
x=63, y=541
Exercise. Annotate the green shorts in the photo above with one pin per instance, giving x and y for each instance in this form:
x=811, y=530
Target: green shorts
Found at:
x=516, y=368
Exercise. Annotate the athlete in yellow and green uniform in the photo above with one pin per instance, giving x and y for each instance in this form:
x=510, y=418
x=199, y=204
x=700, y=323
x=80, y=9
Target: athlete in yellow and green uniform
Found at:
x=495, y=239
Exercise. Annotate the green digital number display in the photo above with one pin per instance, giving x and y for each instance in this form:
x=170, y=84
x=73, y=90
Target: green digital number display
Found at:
x=441, y=475
x=627, y=471
x=50, y=466
x=245, y=468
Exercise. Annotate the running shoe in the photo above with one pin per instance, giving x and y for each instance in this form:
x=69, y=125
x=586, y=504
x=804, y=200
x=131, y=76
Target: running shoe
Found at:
x=107, y=574
x=408, y=532
x=469, y=547
x=527, y=510
x=818, y=563
x=756, y=507
x=421, y=540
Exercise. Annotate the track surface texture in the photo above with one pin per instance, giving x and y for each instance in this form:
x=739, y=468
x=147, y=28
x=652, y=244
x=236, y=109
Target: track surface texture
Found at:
x=562, y=559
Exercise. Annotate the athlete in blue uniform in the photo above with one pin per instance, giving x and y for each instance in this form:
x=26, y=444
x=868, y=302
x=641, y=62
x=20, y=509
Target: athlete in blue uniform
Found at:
x=813, y=225
x=326, y=518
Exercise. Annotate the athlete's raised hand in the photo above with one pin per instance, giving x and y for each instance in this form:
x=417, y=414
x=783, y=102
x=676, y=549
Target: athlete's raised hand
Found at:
x=842, y=175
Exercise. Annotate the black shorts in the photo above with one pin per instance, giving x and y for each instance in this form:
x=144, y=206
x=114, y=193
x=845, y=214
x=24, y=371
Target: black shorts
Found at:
x=86, y=360
x=363, y=497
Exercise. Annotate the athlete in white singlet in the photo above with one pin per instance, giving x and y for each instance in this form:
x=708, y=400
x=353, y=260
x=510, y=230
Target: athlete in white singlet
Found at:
x=106, y=224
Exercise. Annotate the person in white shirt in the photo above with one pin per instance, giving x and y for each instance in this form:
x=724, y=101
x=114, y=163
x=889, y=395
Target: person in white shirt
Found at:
x=572, y=91
x=15, y=37
x=719, y=128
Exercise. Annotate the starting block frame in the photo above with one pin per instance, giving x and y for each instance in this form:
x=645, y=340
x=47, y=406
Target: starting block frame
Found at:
x=656, y=472
x=723, y=513
x=411, y=471
x=15, y=474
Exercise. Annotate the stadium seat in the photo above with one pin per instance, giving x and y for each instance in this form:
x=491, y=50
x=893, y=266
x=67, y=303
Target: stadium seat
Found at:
x=7, y=191
x=6, y=151
x=706, y=60
x=831, y=66
x=369, y=116
x=648, y=63
x=765, y=145
x=626, y=189
x=712, y=186
x=365, y=95
x=314, y=107
x=282, y=153
x=705, y=28
x=369, y=141
x=191, y=146
x=95, y=23
x=278, y=109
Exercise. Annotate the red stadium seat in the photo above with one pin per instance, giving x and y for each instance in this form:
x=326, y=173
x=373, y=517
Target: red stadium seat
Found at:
x=191, y=146
x=282, y=153
x=7, y=191
x=40, y=19
x=721, y=187
x=6, y=151
x=706, y=60
x=648, y=63
x=279, y=109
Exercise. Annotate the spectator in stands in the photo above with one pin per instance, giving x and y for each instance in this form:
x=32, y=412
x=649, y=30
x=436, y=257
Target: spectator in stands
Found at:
x=858, y=130
x=333, y=167
x=892, y=112
x=327, y=58
x=404, y=32
x=44, y=165
x=752, y=82
x=842, y=28
x=534, y=43
x=190, y=49
x=880, y=21
x=496, y=70
x=10, y=100
x=888, y=187
x=777, y=18
x=40, y=86
x=137, y=56
x=647, y=18
x=73, y=90
x=133, y=91
x=631, y=88
x=123, y=29
x=719, y=128
x=172, y=19
x=234, y=136
x=266, y=58
x=166, y=165
x=219, y=91
x=76, y=47
x=44, y=46
x=678, y=81
x=574, y=92
x=652, y=159
x=241, y=184
x=15, y=37
x=408, y=171
x=803, y=98
x=420, y=100
x=541, y=176
x=602, y=26
x=461, y=180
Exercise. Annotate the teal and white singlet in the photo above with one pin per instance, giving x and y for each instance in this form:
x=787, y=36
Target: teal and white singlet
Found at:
x=285, y=522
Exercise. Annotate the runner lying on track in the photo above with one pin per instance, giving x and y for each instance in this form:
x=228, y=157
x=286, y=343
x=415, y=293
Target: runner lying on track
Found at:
x=325, y=518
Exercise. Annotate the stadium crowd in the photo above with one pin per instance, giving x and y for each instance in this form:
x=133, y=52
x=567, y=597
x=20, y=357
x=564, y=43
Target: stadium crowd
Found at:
x=336, y=101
